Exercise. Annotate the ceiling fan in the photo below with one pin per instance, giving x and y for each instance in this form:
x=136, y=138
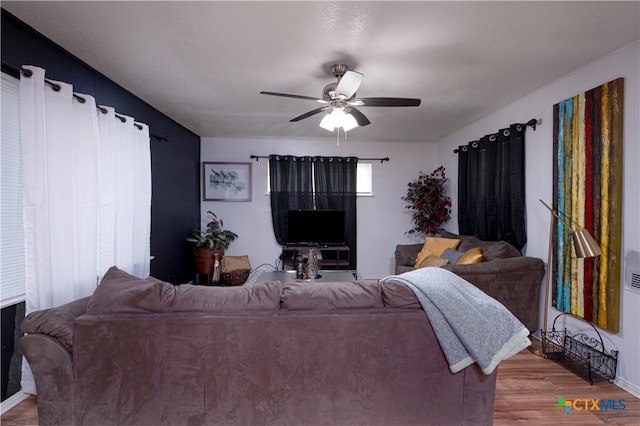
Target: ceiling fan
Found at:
x=341, y=101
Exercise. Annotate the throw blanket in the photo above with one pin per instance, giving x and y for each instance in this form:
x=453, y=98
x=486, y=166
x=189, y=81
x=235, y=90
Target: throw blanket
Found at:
x=470, y=325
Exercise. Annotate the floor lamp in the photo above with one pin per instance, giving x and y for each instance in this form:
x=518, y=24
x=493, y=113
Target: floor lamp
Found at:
x=585, y=246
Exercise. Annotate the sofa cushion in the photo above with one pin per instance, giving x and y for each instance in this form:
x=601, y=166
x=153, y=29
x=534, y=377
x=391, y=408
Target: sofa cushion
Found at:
x=471, y=256
x=447, y=234
x=432, y=261
x=121, y=292
x=499, y=250
x=332, y=295
x=434, y=246
x=469, y=241
x=401, y=269
x=264, y=295
x=398, y=295
x=56, y=322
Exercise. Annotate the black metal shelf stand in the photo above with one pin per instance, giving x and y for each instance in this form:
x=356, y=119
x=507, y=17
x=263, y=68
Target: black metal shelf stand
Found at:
x=584, y=355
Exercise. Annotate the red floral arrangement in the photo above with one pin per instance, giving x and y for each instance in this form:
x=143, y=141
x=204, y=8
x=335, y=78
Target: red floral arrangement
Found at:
x=426, y=197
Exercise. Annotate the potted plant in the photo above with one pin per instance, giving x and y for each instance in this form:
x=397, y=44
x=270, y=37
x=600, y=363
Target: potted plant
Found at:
x=431, y=207
x=214, y=240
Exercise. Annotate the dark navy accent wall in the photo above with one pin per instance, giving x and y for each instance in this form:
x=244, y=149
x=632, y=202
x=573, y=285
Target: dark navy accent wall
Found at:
x=175, y=165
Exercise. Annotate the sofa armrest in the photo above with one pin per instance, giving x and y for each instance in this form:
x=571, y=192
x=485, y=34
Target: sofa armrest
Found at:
x=514, y=282
x=56, y=322
x=52, y=368
x=405, y=255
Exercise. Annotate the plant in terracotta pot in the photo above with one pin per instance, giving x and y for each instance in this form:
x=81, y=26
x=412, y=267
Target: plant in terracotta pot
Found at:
x=214, y=240
x=428, y=202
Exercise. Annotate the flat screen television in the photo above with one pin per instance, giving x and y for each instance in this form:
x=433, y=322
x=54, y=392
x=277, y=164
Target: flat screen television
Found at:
x=315, y=227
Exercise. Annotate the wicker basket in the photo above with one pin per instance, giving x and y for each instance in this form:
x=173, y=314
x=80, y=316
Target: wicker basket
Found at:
x=235, y=277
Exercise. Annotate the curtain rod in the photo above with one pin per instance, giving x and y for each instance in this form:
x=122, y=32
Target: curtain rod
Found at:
x=533, y=123
x=17, y=72
x=381, y=160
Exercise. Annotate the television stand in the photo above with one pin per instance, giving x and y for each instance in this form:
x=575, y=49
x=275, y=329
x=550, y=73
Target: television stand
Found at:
x=329, y=257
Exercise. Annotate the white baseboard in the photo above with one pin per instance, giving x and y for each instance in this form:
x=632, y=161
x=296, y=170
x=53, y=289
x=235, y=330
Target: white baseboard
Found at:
x=629, y=387
x=12, y=401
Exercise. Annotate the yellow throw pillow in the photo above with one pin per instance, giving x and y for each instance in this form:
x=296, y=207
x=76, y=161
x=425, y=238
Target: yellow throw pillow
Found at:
x=435, y=246
x=434, y=261
x=236, y=263
x=473, y=255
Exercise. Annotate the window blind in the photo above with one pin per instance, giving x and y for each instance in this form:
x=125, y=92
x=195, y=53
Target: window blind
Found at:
x=11, y=227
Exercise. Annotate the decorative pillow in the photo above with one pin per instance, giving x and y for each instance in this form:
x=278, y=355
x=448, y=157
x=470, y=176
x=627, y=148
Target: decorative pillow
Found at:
x=398, y=295
x=56, y=322
x=473, y=255
x=332, y=295
x=435, y=246
x=260, y=296
x=433, y=261
x=235, y=263
x=121, y=292
x=451, y=255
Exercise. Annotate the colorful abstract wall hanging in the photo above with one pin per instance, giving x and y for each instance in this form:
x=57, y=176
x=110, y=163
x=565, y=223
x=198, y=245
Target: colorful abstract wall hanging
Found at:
x=587, y=191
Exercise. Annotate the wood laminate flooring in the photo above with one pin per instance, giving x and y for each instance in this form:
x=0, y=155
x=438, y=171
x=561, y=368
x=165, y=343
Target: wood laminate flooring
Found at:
x=527, y=391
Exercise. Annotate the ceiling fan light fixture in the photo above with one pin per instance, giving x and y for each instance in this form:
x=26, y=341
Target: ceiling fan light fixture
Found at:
x=327, y=123
x=338, y=118
x=349, y=122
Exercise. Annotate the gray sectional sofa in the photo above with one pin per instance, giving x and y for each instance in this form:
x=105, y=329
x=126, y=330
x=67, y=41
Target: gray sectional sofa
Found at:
x=146, y=352
x=504, y=274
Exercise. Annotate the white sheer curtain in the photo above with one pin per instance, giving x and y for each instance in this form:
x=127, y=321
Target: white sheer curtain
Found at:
x=87, y=194
x=125, y=194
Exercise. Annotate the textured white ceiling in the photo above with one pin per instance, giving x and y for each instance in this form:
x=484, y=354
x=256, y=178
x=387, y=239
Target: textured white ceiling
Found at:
x=204, y=63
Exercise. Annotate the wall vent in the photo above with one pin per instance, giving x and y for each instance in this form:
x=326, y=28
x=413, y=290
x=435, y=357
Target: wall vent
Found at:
x=633, y=280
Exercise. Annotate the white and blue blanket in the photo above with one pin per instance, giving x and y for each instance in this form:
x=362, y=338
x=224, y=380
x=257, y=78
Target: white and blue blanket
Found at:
x=470, y=325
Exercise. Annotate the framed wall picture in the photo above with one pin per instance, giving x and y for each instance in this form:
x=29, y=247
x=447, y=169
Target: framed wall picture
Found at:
x=226, y=181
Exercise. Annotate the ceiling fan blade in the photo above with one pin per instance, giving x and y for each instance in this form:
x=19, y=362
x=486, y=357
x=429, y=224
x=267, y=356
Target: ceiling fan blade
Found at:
x=360, y=118
x=349, y=83
x=310, y=113
x=386, y=102
x=287, y=95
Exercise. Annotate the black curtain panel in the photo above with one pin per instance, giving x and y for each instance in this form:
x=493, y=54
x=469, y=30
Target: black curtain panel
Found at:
x=491, y=187
x=290, y=180
x=465, y=226
x=335, y=189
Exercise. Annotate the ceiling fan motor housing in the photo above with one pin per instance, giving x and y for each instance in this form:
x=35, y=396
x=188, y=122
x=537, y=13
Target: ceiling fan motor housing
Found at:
x=329, y=91
x=338, y=71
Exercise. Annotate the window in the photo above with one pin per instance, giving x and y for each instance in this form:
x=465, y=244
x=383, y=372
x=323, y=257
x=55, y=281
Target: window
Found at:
x=12, y=289
x=11, y=232
x=364, y=179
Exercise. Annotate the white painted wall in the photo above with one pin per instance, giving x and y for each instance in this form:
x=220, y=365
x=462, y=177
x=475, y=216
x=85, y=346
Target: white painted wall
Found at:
x=382, y=219
x=539, y=104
